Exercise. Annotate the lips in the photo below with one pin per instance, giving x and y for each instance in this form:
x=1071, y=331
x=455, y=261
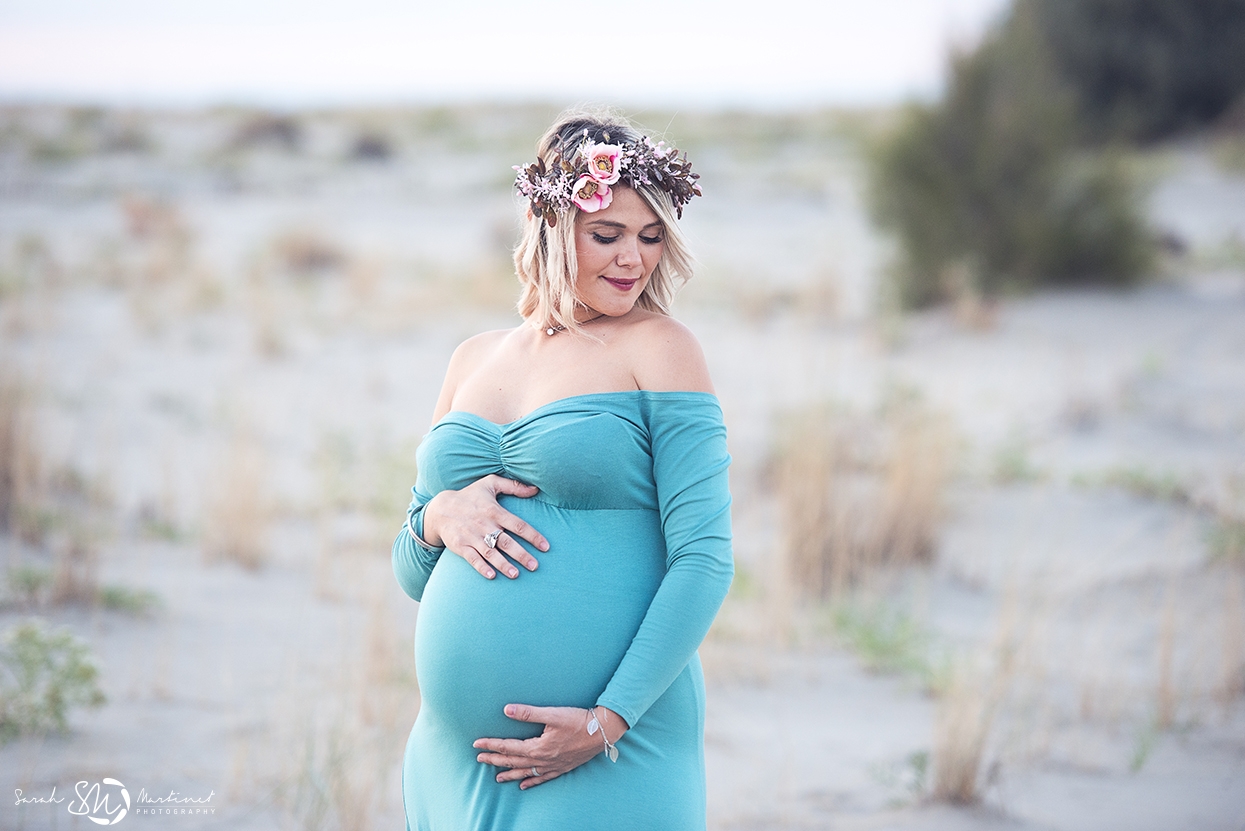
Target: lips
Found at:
x=621, y=285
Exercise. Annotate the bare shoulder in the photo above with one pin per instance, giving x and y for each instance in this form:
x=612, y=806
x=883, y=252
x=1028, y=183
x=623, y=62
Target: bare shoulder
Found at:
x=466, y=359
x=473, y=351
x=667, y=356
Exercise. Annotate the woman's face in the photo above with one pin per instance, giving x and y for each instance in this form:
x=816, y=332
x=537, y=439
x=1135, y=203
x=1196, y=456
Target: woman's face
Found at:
x=616, y=249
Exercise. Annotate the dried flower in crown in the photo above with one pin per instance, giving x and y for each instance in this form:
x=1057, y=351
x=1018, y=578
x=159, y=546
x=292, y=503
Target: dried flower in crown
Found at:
x=584, y=179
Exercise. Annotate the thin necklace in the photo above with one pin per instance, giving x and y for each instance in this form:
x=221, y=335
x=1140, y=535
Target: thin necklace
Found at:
x=553, y=330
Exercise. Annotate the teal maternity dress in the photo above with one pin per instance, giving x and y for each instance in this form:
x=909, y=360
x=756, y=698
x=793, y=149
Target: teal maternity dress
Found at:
x=634, y=502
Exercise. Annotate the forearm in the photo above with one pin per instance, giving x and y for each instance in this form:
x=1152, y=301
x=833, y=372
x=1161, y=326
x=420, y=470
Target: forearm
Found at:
x=673, y=628
x=690, y=467
x=413, y=558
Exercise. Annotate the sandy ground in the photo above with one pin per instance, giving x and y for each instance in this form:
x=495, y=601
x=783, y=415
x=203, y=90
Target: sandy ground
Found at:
x=204, y=318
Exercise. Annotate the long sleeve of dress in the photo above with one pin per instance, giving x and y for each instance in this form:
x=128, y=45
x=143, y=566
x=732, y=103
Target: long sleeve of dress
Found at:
x=412, y=562
x=690, y=462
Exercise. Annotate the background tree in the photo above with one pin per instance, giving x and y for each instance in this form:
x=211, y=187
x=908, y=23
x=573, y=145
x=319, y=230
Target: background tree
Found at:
x=987, y=190
x=1145, y=70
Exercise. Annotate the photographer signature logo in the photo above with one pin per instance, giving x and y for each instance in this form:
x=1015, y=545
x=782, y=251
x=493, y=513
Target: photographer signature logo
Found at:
x=107, y=802
x=94, y=800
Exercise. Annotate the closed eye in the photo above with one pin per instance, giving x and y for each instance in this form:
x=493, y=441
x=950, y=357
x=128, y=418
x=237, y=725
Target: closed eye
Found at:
x=650, y=240
x=603, y=239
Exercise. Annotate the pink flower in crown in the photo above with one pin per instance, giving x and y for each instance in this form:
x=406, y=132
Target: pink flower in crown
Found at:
x=591, y=195
x=603, y=162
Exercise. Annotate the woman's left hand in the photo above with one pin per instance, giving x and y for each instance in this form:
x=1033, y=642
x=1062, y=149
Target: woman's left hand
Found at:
x=564, y=745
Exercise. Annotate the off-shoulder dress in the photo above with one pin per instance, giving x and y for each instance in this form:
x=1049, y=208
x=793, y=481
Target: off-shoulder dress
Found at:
x=634, y=502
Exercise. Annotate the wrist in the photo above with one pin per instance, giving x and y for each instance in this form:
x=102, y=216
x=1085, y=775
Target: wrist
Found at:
x=428, y=530
x=613, y=724
x=414, y=526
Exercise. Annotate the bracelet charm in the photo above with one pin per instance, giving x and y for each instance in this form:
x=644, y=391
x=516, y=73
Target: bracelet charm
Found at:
x=611, y=749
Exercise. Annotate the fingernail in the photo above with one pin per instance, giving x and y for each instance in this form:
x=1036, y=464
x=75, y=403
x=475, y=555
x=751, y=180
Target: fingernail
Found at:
x=480, y=758
x=544, y=546
x=514, y=572
x=531, y=566
x=489, y=574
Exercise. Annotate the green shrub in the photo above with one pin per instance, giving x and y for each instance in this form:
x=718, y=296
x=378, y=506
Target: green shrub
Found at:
x=1227, y=541
x=28, y=583
x=43, y=673
x=1011, y=463
x=1162, y=486
x=1146, y=69
x=131, y=601
x=884, y=641
x=987, y=191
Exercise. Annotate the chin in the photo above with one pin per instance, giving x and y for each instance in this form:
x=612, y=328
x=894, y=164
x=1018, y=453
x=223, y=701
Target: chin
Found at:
x=619, y=309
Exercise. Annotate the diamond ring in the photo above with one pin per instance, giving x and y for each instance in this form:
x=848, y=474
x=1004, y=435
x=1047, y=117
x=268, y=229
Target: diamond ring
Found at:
x=491, y=539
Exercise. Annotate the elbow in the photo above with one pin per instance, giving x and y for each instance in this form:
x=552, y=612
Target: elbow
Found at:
x=727, y=578
x=405, y=569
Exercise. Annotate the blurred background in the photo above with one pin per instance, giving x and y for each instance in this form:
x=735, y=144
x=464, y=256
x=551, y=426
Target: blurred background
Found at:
x=971, y=283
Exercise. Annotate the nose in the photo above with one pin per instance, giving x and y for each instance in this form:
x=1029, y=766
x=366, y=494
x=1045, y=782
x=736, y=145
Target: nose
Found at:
x=629, y=252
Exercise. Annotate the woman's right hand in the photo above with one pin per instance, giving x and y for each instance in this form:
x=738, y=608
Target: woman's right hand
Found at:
x=461, y=520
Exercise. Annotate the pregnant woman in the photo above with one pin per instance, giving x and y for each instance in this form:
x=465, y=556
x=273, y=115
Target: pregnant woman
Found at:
x=569, y=696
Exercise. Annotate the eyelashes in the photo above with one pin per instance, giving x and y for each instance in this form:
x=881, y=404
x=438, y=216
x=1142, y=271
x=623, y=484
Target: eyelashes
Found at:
x=604, y=240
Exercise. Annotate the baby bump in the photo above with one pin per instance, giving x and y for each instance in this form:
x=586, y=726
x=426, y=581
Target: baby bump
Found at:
x=552, y=637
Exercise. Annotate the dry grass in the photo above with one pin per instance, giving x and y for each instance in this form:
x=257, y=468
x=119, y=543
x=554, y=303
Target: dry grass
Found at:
x=341, y=748
x=819, y=299
x=237, y=510
x=364, y=489
x=966, y=712
x=158, y=265
x=330, y=789
x=1233, y=645
x=858, y=495
x=75, y=507
x=1165, y=694
x=389, y=693
x=260, y=130
x=75, y=569
x=969, y=307
x=21, y=458
x=306, y=253
x=961, y=726
x=161, y=237
x=44, y=506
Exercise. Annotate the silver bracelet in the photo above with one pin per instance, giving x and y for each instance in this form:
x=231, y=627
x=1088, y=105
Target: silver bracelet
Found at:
x=420, y=541
x=611, y=750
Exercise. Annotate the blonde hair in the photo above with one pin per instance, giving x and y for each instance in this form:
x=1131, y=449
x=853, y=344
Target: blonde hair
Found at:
x=545, y=259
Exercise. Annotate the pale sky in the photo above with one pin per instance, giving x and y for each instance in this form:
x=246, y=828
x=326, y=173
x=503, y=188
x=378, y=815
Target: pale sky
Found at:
x=695, y=53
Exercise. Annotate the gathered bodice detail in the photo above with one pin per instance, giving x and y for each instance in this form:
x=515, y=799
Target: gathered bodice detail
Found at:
x=585, y=452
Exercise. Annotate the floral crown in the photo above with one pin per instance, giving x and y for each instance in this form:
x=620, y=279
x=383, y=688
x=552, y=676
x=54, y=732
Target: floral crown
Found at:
x=583, y=178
